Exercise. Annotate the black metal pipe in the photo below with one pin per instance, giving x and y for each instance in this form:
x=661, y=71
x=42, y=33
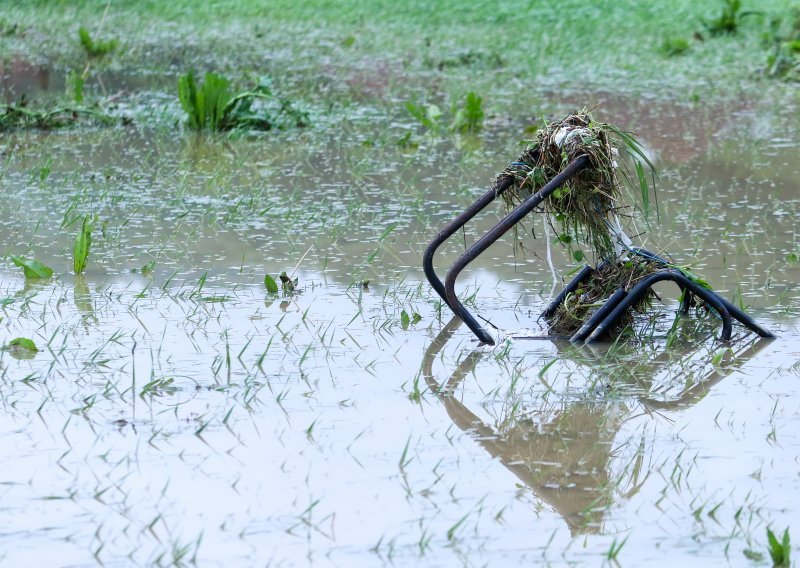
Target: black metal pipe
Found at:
x=460, y=220
x=686, y=301
x=746, y=320
x=495, y=233
x=646, y=283
x=579, y=279
x=599, y=315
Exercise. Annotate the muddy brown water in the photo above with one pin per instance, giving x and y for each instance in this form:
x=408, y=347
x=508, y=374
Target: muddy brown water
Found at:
x=186, y=413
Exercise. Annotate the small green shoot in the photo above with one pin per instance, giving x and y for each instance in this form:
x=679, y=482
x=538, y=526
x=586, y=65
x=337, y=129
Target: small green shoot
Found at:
x=779, y=550
x=429, y=116
x=96, y=47
x=674, y=46
x=615, y=549
x=80, y=250
x=74, y=86
x=468, y=119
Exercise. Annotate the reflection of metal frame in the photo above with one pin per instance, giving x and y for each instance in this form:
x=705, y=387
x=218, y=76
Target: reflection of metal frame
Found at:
x=563, y=461
x=605, y=317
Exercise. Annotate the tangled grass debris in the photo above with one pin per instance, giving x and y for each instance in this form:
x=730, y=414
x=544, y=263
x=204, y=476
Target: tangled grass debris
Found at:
x=589, y=207
x=21, y=115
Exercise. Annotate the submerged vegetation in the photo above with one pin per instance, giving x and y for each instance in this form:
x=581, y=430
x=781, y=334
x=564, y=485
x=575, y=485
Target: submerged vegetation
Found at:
x=212, y=106
x=21, y=115
x=467, y=115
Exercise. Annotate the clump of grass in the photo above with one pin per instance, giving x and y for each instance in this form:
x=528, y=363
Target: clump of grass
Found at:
x=21, y=115
x=96, y=47
x=212, y=106
x=587, y=207
x=674, y=46
x=729, y=19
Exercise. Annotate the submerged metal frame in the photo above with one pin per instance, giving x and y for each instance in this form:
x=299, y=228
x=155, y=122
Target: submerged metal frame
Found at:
x=607, y=315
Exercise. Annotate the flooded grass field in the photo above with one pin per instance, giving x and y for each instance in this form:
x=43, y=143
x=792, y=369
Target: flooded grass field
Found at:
x=177, y=412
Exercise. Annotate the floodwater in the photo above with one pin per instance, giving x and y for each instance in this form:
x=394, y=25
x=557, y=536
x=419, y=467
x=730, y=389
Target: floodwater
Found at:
x=177, y=412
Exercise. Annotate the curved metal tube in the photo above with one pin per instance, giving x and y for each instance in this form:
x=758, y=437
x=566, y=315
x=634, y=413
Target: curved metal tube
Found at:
x=582, y=276
x=646, y=283
x=599, y=315
x=427, y=259
x=495, y=233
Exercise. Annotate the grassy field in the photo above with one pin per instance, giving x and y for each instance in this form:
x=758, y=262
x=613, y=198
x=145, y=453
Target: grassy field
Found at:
x=507, y=46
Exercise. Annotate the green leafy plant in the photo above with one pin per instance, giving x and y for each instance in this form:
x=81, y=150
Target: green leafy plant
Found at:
x=80, y=250
x=779, y=550
x=212, y=106
x=429, y=116
x=270, y=284
x=468, y=118
x=96, y=47
x=783, y=62
x=32, y=269
x=674, y=46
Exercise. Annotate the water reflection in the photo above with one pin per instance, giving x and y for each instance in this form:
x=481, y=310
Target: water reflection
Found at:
x=564, y=454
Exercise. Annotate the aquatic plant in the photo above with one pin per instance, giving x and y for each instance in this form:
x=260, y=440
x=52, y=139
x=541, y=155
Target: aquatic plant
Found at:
x=468, y=117
x=270, y=284
x=96, y=47
x=80, y=250
x=780, y=551
x=32, y=269
x=212, y=106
